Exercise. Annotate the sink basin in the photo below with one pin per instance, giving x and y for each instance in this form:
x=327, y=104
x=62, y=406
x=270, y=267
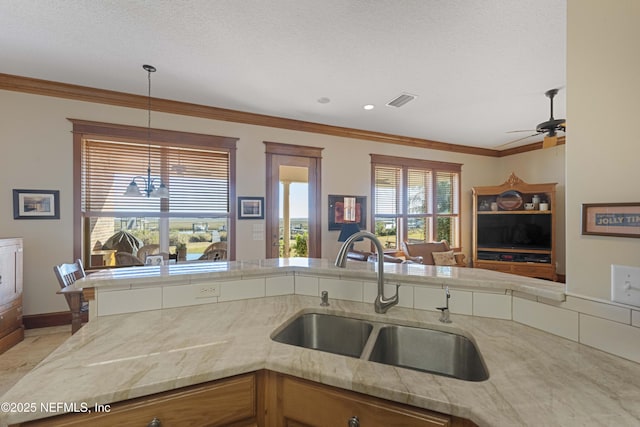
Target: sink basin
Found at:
x=421, y=349
x=429, y=350
x=324, y=332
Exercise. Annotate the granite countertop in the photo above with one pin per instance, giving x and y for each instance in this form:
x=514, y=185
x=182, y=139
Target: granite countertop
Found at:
x=535, y=378
x=406, y=273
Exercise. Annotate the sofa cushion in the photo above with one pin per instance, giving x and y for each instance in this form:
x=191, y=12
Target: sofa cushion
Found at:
x=444, y=258
x=421, y=252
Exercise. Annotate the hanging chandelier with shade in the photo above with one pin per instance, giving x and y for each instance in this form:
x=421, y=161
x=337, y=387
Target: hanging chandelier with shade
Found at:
x=149, y=189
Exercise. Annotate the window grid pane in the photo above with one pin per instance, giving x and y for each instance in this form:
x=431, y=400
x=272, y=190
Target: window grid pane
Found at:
x=419, y=229
x=386, y=230
x=447, y=192
x=432, y=201
x=387, y=191
x=419, y=191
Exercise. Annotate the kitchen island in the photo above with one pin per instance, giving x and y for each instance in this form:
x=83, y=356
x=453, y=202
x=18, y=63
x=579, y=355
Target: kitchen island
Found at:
x=536, y=378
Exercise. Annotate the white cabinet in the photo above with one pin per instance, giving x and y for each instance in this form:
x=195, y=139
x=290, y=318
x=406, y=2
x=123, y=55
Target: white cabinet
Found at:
x=11, y=327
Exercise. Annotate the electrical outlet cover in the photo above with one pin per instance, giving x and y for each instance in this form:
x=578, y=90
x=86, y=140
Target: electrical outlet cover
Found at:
x=206, y=290
x=625, y=284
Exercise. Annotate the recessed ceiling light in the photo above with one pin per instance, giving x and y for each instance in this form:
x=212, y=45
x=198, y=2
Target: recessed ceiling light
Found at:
x=324, y=100
x=369, y=107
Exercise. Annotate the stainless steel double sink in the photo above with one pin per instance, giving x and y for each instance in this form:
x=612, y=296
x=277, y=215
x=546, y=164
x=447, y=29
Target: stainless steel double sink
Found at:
x=427, y=350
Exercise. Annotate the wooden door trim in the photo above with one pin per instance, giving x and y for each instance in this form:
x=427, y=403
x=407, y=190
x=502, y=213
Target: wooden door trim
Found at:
x=314, y=163
x=292, y=150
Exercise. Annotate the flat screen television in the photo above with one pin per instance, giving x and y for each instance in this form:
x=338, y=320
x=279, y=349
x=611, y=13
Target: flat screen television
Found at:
x=521, y=231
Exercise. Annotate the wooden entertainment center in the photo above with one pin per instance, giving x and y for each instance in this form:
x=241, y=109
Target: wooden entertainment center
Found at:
x=514, y=228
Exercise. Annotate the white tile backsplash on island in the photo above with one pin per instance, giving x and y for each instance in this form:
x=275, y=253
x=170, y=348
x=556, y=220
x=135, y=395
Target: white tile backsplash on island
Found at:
x=610, y=327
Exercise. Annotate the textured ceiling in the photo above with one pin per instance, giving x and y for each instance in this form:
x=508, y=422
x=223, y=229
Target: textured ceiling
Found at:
x=479, y=67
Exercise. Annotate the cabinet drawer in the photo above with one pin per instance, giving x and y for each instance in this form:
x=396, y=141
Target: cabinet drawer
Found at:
x=533, y=270
x=225, y=402
x=544, y=271
x=505, y=268
x=10, y=317
x=309, y=404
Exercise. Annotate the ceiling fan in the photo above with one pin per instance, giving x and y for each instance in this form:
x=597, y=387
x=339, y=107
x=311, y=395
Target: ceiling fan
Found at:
x=550, y=127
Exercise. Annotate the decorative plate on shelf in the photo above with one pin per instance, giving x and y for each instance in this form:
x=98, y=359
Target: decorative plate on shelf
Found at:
x=510, y=200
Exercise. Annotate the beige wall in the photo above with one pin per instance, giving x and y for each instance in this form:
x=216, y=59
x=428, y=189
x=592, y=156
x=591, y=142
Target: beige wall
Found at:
x=37, y=150
x=603, y=106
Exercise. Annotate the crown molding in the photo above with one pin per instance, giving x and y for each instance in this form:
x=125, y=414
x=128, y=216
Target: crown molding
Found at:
x=121, y=99
x=525, y=148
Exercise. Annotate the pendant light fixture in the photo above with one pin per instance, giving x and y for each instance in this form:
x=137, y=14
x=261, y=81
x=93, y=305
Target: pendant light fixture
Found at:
x=150, y=189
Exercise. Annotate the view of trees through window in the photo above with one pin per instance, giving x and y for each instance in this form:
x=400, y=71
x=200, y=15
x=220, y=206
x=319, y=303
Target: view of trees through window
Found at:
x=415, y=201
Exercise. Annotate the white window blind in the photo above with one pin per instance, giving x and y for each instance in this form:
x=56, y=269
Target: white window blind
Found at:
x=197, y=178
x=388, y=191
x=419, y=191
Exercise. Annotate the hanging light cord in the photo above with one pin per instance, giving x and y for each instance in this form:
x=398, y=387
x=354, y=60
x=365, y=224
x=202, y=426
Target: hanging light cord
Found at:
x=150, y=69
x=132, y=189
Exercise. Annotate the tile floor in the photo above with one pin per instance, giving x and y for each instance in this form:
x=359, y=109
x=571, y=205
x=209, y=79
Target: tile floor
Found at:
x=21, y=358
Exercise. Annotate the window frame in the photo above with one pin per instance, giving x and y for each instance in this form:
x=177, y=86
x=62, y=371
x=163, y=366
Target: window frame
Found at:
x=83, y=129
x=404, y=164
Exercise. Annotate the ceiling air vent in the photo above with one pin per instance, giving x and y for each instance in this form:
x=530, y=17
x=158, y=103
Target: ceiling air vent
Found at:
x=399, y=101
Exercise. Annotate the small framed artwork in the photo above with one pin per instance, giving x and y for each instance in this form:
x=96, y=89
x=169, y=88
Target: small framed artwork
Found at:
x=36, y=204
x=250, y=207
x=347, y=209
x=611, y=219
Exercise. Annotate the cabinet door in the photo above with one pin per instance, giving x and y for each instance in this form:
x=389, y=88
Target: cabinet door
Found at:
x=305, y=403
x=221, y=403
x=530, y=270
x=8, y=284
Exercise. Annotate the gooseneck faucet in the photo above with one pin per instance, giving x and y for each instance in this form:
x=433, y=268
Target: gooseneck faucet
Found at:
x=444, y=317
x=381, y=304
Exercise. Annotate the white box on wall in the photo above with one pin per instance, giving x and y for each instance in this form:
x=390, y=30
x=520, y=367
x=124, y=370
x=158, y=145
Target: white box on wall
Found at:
x=625, y=284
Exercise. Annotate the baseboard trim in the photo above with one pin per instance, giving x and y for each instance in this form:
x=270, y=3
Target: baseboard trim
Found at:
x=45, y=320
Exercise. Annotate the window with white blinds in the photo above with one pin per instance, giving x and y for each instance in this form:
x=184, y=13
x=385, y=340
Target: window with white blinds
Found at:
x=197, y=169
x=415, y=200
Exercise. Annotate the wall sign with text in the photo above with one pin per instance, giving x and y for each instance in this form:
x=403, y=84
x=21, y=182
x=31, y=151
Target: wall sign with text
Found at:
x=611, y=219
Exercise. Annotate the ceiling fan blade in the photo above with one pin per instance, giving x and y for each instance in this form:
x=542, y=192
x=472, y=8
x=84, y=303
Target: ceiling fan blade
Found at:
x=516, y=140
x=518, y=131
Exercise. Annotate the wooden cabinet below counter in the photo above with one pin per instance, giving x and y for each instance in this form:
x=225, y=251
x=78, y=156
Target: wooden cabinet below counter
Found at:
x=302, y=403
x=228, y=402
x=263, y=398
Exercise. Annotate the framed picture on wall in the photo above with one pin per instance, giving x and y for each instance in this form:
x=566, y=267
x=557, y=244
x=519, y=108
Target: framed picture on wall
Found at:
x=250, y=207
x=36, y=204
x=611, y=219
x=337, y=205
